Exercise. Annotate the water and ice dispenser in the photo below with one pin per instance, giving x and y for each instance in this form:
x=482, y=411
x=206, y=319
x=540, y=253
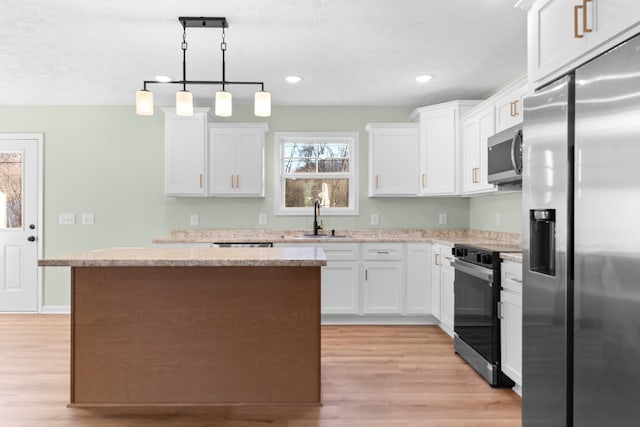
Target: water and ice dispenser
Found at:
x=542, y=229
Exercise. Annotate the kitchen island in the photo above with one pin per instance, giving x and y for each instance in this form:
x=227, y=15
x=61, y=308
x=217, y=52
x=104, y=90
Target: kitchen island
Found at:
x=195, y=326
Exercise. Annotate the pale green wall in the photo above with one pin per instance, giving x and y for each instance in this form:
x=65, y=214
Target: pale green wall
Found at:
x=483, y=210
x=109, y=161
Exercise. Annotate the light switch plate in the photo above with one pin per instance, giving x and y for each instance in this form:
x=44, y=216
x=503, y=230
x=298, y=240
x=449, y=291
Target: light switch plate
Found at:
x=195, y=219
x=262, y=218
x=67, y=219
x=375, y=219
x=88, y=219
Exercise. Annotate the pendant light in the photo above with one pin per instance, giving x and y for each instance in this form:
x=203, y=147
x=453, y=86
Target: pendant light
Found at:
x=184, y=98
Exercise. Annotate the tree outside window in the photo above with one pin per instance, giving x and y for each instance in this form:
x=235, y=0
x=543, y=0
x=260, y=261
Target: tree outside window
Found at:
x=316, y=167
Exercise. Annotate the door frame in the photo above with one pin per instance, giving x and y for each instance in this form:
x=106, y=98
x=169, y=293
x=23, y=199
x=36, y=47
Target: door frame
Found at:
x=39, y=138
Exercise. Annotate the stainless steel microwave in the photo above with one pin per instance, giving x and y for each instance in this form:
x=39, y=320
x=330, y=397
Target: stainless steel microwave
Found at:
x=504, y=159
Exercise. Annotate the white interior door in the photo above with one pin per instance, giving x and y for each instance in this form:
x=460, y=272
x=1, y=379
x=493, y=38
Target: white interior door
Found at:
x=19, y=221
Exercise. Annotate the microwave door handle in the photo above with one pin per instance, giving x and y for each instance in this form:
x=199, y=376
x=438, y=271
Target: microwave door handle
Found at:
x=514, y=147
x=513, y=152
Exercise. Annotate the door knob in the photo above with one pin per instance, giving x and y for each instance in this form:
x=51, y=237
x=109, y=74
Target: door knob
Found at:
x=31, y=238
x=32, y=226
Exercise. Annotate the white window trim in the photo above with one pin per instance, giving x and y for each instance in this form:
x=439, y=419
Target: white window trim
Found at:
x=279, y=208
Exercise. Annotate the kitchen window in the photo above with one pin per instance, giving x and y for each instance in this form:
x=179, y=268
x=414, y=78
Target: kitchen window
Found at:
x=316, y=166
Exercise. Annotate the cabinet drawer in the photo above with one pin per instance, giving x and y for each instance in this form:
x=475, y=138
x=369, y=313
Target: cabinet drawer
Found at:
x=341, y=251
x=333, y=251
x=383, y=251
x=511, y=276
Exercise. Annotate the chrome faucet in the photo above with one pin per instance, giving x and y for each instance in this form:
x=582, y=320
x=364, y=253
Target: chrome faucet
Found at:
x=316, y=214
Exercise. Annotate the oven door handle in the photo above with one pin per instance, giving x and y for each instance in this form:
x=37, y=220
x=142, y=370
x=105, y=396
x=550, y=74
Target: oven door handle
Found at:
x=482, y=273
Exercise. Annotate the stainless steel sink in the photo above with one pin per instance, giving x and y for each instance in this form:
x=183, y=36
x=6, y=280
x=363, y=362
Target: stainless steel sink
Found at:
x=323, y=236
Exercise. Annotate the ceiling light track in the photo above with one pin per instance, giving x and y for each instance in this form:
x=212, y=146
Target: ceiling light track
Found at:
x=184, y=98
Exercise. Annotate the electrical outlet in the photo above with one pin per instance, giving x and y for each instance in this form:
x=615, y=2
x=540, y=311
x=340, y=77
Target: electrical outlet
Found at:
x=375, y=219
x=442, y=218
x=88, y=219
x=67, y=219
x=498, y=219
x=262, y=218
x=195, y=219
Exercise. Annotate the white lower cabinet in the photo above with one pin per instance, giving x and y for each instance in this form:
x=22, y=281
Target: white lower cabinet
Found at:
x=442, y=295
x=511, y=322
x=418, y=278
x=382, y=287
x=340, y=278
x=382, y=283
x=446, y=293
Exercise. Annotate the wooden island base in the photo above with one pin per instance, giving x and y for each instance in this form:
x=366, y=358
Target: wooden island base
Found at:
x=195, y=336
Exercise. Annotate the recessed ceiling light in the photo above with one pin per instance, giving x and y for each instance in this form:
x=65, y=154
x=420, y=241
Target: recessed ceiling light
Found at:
x=163, y=79
x=293, y=79
x=423, y=78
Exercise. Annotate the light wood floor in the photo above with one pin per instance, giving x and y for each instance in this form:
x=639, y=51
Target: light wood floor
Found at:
x=372, y=376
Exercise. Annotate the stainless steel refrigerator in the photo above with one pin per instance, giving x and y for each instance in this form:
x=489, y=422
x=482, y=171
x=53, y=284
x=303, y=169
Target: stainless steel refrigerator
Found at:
x=581, y=246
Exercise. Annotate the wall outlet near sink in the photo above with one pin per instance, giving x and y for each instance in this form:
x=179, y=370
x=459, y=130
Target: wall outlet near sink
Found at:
x=442, y=218
x=375, y=219
x=195, y=219
x=262, y=218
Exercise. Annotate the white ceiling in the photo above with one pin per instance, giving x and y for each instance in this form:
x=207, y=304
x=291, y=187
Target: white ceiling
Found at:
x=350, y=52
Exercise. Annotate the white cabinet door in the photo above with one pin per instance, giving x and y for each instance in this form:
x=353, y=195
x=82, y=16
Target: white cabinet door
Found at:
x=340, y=287
x=563, y=34
x=551, y=37
x=394, y=151
x=511, y=321
x=440, y=147
x=447, y=275
x=477, y=128
x=418, y=278
x=511, y=335
x=236, y=159
x=250, y=162
x=436, y=281
x=185, y=153
x=438, y=134
x=222, y=154
x=382, y=287
x=509, y=108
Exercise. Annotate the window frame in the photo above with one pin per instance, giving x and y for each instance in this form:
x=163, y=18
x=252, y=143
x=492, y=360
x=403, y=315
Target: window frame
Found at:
x=279, y=182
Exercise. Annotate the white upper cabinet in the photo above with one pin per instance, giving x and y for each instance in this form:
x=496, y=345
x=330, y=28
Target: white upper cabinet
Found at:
x=236, y=159
x=440, y=147
x=394, y=150
x=478, y=126
x=562, y=34
x=185, y=142
x=508, y=105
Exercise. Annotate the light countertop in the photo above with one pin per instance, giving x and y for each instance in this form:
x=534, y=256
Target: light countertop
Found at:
x=511, y=256
x=193, y=257
x=447, y=237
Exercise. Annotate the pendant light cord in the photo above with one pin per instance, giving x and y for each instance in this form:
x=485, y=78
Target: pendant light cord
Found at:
x=223, y=48
x=184, y=58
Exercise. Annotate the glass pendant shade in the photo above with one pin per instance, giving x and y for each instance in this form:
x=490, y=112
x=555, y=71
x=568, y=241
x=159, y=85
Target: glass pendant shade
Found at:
x=223, y=105
x=262, y=104
x=144, y=103
x=184, y=103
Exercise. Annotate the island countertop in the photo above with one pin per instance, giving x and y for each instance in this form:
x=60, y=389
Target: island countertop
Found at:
x=192, y=257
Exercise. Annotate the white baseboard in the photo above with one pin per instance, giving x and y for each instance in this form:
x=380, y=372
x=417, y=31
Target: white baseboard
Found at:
x=354, y=319
x=55, y=309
